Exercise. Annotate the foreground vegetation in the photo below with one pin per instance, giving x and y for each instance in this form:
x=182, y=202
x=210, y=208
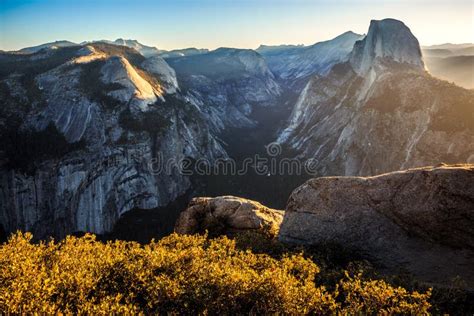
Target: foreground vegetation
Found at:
x=180, y=274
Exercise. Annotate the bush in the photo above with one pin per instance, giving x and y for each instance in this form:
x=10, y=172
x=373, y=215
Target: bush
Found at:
x=378, y=297
x=178, y=274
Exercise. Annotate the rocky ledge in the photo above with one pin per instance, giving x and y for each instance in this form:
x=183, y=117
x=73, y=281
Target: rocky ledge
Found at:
x=419, y=221
x=227, y=215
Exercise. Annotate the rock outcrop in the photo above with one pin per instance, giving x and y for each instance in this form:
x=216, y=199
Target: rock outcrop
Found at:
x=386, y=39
x=228, y=215
x=135, y=89
x=418, y=220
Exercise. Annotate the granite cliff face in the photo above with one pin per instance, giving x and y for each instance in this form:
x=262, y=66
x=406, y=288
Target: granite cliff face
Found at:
x=381, y=111
x=293, y=65
x=118, y=116
x=390, y=39
x=113, y=111
x=227, y=84
x=418, y=220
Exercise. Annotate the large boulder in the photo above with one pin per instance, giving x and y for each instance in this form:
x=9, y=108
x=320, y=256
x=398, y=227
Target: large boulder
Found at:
x=419, y=221
x=228, y=215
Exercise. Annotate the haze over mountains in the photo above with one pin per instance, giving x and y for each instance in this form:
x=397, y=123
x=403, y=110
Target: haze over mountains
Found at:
x=358, y=105
x=452, y=62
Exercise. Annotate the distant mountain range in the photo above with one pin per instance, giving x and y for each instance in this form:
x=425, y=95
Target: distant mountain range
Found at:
x=80, y=123
x=145, y=50
x=293, y=62
x=452, y=62
x=52, y=45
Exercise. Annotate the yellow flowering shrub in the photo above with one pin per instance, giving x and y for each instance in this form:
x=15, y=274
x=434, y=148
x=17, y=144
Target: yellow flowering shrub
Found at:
x=378, y=297
x=178, y=275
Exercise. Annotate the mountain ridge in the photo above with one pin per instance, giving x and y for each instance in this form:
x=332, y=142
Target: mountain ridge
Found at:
x=102, y=103
x=348, y=119
x=297, y=64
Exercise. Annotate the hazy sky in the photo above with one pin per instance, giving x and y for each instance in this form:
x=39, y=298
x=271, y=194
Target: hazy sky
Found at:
x=205, y=23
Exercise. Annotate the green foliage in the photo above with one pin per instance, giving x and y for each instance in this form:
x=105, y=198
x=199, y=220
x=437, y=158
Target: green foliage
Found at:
x=91, y=85
x=179, y=275
x=453, y=299
x=13, y=107
x=28, y=68
x=457, y=111
x=134, y=57
x=24, y=149
x=387, y=102
x=152, y=122
x=157, y=120
x=222, y=64
x=24, y=64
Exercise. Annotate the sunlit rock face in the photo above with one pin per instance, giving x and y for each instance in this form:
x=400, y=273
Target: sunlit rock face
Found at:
x=144, y=50
x=158, y=66
x=381, y=111
x=101, y=101
x=228, y=215
x=389, y=39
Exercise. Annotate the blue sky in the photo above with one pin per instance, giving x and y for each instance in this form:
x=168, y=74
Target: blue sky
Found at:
x=238, y=23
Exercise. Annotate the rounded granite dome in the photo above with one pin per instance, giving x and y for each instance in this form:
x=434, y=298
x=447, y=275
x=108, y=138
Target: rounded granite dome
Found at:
x=388, y=38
